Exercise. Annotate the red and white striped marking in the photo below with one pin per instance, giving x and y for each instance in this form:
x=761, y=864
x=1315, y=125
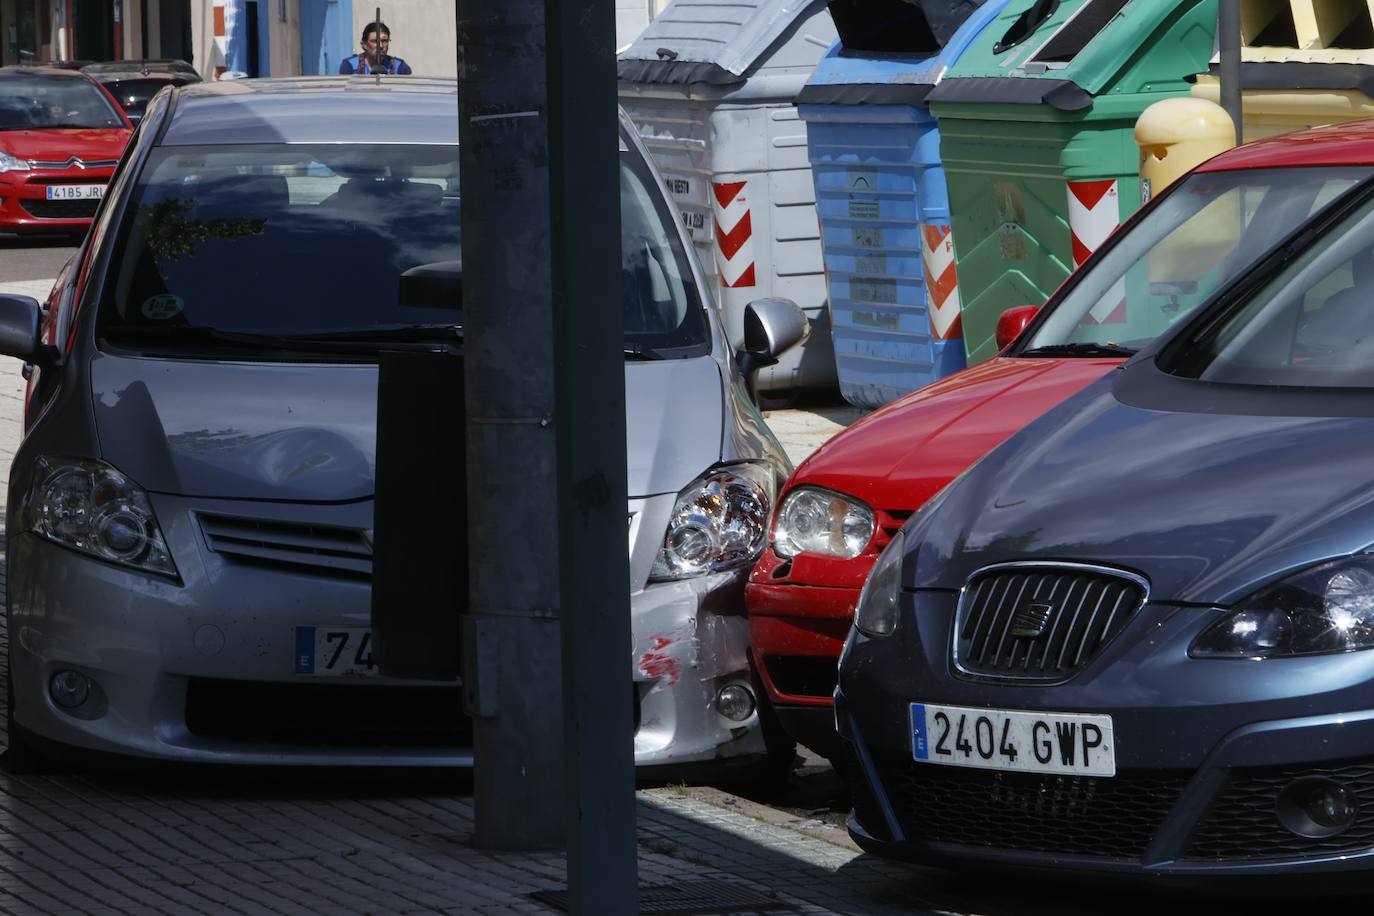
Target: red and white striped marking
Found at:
x=1093, y=215
x=734, y=234
x=942, y=283
x=219, y=47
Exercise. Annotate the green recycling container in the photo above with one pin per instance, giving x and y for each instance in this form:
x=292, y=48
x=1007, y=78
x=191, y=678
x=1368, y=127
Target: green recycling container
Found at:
x=1037, y=126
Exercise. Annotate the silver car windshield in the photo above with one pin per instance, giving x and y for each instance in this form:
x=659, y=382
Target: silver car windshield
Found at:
x=1206, y=233
x=306, y=241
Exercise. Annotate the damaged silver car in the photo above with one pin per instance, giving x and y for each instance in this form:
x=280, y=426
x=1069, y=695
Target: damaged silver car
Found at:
x=191, y=510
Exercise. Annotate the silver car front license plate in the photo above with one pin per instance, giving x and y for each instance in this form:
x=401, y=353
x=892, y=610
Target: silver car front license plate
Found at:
x=334, y=651
x=1069, y=743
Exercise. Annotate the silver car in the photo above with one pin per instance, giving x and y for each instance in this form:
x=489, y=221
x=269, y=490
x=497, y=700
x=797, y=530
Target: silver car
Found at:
x=190, y=512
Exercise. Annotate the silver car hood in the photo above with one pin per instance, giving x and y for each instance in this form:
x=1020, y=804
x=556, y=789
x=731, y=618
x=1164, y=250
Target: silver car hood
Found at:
x=281, y=431
x=307, y=432
x=673, y=423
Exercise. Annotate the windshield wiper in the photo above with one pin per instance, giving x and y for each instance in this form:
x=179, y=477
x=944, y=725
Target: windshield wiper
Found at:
x=639, y=352
x=348, y=341
x=388, y=334
x=1079, y=349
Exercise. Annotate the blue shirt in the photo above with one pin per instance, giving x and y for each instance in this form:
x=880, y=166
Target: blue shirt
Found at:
x=357, y=63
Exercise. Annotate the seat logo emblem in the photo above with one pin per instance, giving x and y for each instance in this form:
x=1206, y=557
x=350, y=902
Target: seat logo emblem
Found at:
x=1029, y=622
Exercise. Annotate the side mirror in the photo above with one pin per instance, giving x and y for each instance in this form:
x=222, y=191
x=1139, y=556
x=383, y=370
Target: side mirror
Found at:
x=19, y=316
x=1012, y=323
x=432, y=286
x=772, y=326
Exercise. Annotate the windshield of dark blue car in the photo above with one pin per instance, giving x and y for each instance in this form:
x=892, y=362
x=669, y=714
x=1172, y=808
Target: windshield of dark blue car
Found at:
x=1207, y=232
x=1307, y=323
x=225, y=246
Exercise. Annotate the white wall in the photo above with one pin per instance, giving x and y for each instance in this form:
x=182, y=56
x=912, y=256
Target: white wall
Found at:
x=423, y=32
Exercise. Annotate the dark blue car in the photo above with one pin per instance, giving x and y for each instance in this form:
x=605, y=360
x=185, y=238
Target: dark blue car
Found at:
x=1135, y=636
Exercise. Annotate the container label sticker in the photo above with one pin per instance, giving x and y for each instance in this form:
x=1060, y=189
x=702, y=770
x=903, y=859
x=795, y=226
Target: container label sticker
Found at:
x=885, y=320
x=162, y=307
x=872, y=264
x=867, y=236
x=863, y=209
x=873, y=289
x=697, y=228
x=1011, y=218
x=865, y=182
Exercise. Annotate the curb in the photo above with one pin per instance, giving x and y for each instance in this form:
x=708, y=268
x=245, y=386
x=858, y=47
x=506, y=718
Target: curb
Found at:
x=809, y=827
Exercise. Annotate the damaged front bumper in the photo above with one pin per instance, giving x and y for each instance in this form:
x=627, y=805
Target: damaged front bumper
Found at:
x=691, y=642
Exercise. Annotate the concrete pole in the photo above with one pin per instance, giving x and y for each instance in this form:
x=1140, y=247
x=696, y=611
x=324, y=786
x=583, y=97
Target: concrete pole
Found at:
x=546, y=440
x=1228, y=47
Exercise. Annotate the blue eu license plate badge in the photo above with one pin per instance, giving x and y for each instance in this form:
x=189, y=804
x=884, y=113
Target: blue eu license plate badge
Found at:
x=305, y=650
x=919, y=747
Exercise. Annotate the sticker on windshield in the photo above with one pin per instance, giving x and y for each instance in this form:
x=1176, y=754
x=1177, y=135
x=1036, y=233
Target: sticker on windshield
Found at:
x=162, y=307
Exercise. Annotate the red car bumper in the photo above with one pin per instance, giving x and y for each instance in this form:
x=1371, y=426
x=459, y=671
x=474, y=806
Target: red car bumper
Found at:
x=25, y=204
x=799, y=615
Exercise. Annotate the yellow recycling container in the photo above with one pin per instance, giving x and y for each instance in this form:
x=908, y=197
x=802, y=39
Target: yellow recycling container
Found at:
x=1304, y=63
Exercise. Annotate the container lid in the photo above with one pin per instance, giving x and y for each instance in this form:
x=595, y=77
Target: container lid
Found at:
x=706, y=41
x=884, y=68
x=1085, y=45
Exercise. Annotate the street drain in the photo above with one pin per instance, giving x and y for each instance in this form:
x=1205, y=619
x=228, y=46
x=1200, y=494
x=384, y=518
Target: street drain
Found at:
x=693, y=898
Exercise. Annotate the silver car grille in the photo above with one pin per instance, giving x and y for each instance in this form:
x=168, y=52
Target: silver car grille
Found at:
x=326, y=549
x=1040, y=621
x=73, y=162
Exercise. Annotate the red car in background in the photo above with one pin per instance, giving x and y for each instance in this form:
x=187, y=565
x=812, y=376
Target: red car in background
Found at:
x=61, y=135
x=846, y=501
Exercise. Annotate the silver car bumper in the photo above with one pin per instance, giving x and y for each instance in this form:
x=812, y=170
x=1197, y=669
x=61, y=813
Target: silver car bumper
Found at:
x=156, y=649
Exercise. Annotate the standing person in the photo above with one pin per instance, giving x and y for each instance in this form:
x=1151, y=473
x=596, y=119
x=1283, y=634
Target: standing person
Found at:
x=375, y=42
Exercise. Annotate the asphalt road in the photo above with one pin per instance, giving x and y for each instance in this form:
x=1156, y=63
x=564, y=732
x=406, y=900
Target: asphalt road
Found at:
x=33, y=257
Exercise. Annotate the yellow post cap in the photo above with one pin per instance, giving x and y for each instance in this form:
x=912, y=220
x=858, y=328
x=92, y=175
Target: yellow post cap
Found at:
x=1182, y=119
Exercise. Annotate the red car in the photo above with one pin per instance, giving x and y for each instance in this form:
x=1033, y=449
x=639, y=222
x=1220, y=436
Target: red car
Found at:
x=61, y=135
x=845, y=502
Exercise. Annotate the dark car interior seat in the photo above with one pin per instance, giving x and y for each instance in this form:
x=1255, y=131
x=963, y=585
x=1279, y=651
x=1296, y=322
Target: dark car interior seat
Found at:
x=14, y=116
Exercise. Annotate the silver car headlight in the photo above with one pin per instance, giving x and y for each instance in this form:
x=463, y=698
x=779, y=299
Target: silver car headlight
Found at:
x=1323, y=610
x=880, y=599
x=719, y=522
x=91, y=507
x=812, y=520
x=9, y=163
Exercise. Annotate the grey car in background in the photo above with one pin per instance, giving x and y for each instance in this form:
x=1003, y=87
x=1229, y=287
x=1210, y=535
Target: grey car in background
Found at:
x=190, y=512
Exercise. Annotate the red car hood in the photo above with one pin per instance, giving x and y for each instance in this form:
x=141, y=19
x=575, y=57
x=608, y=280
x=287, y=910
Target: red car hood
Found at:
x=57, y=145
x=898, y=457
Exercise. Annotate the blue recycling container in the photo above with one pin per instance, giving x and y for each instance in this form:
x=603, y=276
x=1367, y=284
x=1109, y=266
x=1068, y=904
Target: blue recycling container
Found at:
x=880, y=194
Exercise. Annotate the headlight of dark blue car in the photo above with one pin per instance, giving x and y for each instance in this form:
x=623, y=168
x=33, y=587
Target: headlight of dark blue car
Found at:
x=1326, y=609
x=879, y=601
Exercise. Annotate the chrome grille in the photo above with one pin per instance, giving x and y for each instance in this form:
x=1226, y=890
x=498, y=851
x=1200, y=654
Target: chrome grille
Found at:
x=324, y=548
x=1041, y=621
x=73, y=162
